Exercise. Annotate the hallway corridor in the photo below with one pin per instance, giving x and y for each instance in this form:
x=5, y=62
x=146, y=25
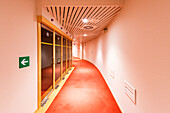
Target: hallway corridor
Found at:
x=84, y=92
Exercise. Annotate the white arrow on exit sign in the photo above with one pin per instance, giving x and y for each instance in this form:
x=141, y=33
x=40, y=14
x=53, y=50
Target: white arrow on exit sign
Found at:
x=23, y=62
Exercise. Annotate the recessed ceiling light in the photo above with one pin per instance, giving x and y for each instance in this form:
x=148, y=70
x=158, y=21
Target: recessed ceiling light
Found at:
x=85, y=20
x=85, y=35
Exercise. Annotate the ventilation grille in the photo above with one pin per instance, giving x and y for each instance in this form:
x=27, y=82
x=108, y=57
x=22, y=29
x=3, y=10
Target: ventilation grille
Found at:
x=70, y=17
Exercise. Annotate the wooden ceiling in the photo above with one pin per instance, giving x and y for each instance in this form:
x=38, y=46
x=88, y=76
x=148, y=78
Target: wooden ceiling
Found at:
x=70, y=17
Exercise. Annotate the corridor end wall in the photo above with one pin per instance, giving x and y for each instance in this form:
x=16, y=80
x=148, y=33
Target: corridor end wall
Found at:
x=136, y=49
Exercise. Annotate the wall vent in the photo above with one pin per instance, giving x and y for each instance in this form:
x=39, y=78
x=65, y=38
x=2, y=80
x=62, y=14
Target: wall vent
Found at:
x=130, y=92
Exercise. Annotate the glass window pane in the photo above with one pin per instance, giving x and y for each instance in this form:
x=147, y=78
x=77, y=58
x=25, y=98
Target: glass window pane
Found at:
x=46, y=60
x=64, y=54
x=57, y=57
x=67, y=54
x=71, y=54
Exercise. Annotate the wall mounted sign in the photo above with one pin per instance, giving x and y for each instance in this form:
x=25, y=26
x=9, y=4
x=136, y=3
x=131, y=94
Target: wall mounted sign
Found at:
x=24, y=61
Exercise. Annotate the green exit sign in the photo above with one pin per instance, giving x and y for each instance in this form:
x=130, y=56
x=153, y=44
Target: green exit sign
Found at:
x=24, y=61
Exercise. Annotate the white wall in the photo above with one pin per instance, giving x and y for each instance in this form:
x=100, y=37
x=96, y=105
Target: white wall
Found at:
x=81, y=52
x=75, y=50
x=18, y=38
x=136, y=49
x=78, y=50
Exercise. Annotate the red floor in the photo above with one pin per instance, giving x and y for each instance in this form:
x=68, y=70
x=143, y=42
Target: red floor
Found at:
x=84, y=92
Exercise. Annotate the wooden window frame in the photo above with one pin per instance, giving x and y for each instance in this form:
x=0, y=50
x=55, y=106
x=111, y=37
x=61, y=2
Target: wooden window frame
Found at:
x=43, y=20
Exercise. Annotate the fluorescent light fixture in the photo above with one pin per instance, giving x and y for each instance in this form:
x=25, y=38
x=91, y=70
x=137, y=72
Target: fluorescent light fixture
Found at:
x=85, y=35
x=85, y=20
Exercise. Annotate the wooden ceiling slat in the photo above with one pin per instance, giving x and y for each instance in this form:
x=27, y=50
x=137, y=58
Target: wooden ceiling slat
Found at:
x=101, y=24
x=106, y=13
x=94, y=14
x=112, y=16
x=76, y=18
x=68, y=17
x=58, y=14
x=49, y=8
x=107, y=20
x=102, y=12
x=65, y=16
x=62, y=11
x=68, y=10
x=90, y=16
x=99, y=12
x=54, y=13
x=85, y=16
x=72, y=17
x=111, y=13
x=80, y=18
x=89, y=10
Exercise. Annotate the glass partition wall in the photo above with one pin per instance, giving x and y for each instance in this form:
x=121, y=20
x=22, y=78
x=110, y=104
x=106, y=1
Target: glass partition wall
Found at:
x=55, y=59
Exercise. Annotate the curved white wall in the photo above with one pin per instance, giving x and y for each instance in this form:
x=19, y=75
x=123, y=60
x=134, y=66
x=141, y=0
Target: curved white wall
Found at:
x=136, y=49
